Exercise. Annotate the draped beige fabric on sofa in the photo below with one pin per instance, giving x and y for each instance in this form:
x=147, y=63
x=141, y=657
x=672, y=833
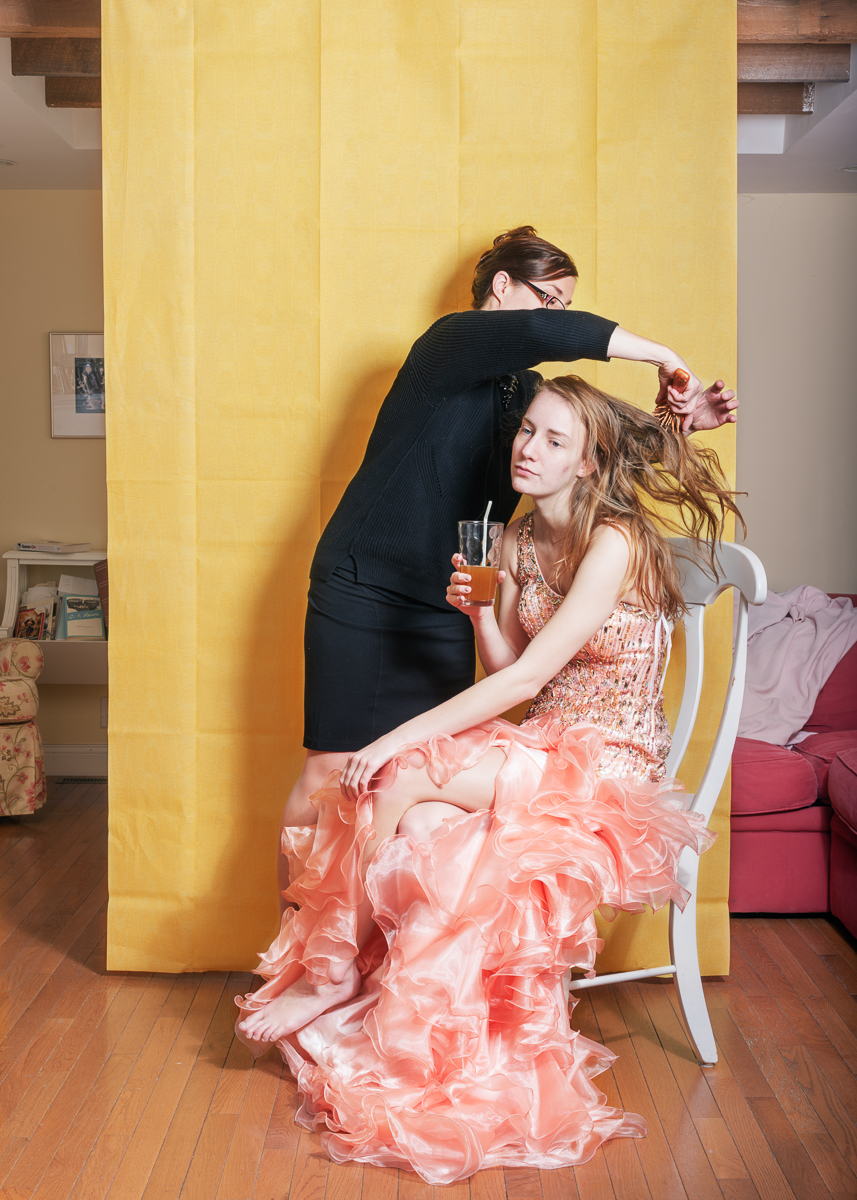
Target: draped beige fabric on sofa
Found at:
x=292, y=194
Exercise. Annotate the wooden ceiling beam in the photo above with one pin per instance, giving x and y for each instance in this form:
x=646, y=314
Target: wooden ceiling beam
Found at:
x=56, y=56
x=65, y=92
x=50, y=18
x=797, y=20
x=789, y=98
x=789, y=63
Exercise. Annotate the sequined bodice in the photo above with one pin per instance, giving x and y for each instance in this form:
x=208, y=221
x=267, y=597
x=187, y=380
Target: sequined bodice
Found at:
x=613, y=682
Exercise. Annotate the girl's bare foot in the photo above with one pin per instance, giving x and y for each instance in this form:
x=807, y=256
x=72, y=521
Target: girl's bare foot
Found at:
x=297, y=1006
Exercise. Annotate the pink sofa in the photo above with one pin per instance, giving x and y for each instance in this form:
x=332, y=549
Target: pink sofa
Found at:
x=794, y=812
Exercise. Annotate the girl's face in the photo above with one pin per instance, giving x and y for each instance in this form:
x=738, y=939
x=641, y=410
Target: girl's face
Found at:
x=548, y=452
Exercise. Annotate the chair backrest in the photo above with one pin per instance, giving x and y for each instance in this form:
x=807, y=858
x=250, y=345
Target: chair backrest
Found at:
x=737, y=568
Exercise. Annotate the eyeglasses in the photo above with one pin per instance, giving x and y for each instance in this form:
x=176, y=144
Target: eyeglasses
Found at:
x=546, y=298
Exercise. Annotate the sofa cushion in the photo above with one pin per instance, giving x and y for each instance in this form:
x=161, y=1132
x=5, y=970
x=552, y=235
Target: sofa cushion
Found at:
x=836, y=706
x=815, y=818
x=843, y=786
x=767, y=778
x=821, y=749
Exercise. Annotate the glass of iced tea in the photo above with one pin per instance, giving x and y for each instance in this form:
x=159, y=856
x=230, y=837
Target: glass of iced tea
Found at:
x=479, y=545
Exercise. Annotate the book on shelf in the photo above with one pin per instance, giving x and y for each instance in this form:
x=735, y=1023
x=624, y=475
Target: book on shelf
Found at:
x=47, y=547
x=30, y=624
x=80, y=619
x=100, y=570
x=77, y=585
x=38, y=602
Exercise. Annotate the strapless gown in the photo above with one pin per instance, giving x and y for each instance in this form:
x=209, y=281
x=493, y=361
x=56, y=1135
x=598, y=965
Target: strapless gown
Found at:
x=457, y=1054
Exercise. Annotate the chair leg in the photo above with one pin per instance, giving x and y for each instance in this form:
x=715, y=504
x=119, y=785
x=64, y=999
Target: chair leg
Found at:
x=687, y=978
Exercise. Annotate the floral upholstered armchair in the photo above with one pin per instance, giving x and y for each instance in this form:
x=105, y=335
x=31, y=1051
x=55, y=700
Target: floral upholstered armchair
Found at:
x=22, y=762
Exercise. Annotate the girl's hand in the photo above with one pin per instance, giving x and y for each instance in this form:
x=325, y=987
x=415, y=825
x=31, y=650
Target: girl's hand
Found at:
x=459, y=589
x=363, y=764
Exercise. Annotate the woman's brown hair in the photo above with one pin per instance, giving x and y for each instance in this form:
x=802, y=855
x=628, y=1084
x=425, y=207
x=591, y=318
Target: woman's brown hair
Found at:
x=522, y=254
x=639, y=465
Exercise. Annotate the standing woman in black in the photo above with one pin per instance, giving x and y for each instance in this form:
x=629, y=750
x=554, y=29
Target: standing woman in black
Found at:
x=381, y=643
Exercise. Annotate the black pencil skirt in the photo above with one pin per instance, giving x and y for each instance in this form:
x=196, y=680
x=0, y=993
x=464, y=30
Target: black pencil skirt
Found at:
x=375, y=658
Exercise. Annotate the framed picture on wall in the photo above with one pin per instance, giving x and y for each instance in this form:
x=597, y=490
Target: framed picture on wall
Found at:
x=77, y=385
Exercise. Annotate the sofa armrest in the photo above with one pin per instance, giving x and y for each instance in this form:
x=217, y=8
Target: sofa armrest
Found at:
x=19, y=701
x=20, y=659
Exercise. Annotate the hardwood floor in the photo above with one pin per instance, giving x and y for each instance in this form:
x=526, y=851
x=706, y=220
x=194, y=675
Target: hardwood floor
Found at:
x=132, y=1087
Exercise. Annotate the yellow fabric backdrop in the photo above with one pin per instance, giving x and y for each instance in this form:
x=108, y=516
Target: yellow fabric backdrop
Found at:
x=292, y=193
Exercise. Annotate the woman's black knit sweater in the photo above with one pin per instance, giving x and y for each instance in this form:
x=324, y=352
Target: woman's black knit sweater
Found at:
x=441, y=446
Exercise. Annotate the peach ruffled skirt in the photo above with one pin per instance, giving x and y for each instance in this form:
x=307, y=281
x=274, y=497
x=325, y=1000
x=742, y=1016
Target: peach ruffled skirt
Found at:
x=457, y=1053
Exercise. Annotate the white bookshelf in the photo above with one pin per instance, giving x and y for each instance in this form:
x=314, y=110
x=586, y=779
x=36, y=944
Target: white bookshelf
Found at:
x=65, y=662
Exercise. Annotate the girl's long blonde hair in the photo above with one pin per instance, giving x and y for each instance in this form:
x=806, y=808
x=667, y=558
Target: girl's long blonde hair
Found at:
x=639, y=465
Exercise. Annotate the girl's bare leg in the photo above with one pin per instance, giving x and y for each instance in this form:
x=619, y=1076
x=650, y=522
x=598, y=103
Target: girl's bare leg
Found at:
x=471, y=791
x=298, y=811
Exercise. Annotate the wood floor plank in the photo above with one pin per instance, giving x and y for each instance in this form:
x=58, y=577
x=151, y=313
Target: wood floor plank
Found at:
x=24, y=841
x=808, y=1127
x=113, y=1141
x=25, y=888
x=381, y=1183
x=277, y=1164
x=27, y=881
x=491, y=1185
x=27, y=1004
x=206, y=1166
x=839, y=957
x=556, y=1185
x=793, y=1157
x=842, y=1038
x=524, y=1184
x=309, y=1177
x=274, y=1178
x=662, y=1176
x=92, y=1048
x=730, y=1040
x=410, y=1187
x=67, y=1163
x=758, y=943
x=251, y=1128
x=345, y=1182
x=40, y=924
x=64, y=1054
x=827, y=983
x=723, y=1154
x=838, y=936
x=136, y=1167
x=693, y=1165
x=689, y=1075
x=34, y=1056
x=174, y=1159
x=765, y=1171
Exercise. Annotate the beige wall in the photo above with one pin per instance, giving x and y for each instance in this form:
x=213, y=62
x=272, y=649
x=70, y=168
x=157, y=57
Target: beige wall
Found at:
x=797, y=377
x=51, y=271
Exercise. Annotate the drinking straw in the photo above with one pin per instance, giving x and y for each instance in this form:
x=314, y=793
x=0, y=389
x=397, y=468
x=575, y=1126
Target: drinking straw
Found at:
x=485, y=532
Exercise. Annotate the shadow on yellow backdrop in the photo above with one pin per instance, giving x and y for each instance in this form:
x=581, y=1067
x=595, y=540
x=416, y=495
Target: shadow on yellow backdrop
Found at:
x=291, y=197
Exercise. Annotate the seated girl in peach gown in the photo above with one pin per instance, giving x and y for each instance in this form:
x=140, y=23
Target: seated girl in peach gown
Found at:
x=416, y=991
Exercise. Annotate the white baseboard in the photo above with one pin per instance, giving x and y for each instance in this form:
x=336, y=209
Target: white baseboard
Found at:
x=76, y=760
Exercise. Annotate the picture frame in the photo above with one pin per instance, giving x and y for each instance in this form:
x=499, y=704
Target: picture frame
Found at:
x=77, y=385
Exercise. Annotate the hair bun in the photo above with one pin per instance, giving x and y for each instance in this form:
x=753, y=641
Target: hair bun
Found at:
x=510, y=234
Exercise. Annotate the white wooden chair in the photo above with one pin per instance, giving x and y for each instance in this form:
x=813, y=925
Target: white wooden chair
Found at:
x=741, y=569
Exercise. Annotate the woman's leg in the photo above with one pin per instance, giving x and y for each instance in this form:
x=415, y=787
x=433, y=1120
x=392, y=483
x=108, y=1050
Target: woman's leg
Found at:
x=421, y=821
x=470, y=790
x=298, y=811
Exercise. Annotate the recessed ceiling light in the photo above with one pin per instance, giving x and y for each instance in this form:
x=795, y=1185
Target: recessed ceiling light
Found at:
x=7, y=162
